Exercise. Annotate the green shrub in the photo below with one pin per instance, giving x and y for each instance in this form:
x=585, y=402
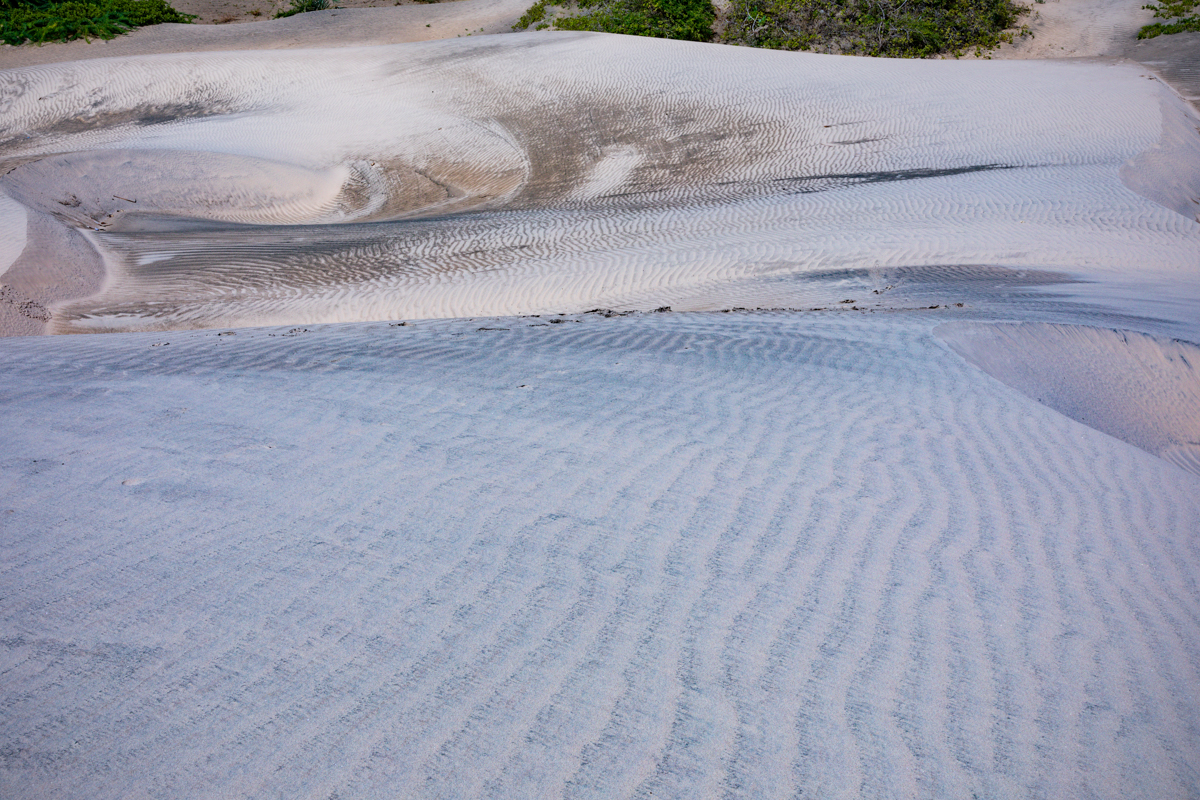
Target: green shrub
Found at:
x=63, y=20
x=303, y=6
x=665, y=19
x=895, y=28
x=898, y=28
x=536, y=13
x=1172, y=9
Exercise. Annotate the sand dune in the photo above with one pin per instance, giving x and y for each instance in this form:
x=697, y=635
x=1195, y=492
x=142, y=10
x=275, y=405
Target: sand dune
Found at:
x=933, y=537
x=1138, y=388
x=340, y=27
x=760, y=555
x=560, y=172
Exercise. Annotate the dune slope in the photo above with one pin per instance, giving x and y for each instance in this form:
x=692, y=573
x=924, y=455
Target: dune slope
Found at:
x=560, y=172
x=727, y=555
x=933, y=537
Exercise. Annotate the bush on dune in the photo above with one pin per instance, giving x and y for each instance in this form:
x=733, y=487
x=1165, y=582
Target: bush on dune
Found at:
x=665, y=19
x=303, y=7
x=1177, y=10
x=63, y=20
x=897, y=28
x=894, y=28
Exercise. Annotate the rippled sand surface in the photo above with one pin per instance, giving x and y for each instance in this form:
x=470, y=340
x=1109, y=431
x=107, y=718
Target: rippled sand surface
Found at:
x=682, y=555
x=562, y=172
x=927, y=529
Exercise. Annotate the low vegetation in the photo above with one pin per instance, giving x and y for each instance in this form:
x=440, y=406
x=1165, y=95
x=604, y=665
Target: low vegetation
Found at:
x=303, y=6
x=63, y=20
x=1179, y=11
x=898, y=28
x=664, y=19
x=894, y=28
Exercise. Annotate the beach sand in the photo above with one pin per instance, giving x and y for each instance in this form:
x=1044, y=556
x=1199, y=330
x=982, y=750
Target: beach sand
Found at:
x=683, y=555
x=399, y=470
x=534, y=173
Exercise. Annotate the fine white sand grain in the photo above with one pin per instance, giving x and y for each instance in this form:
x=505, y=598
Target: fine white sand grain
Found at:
x=932, y=536
x=1143, y=389
x=709, y=555
x=560, y=172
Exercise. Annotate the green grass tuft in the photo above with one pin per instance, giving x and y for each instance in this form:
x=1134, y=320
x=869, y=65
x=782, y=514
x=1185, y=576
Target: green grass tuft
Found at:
x=536, y=13
x=1177, y=10
x=302, y=7
x=63, y=20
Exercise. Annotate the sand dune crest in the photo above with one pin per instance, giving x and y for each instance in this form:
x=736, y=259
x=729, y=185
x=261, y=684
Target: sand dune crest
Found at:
x=1142, y=389
x=568, y=171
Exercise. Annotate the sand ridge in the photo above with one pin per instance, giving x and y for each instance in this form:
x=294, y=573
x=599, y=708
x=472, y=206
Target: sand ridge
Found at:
x=927, y=530
x=1141, y=389
x=538, y=172
x=354, y=27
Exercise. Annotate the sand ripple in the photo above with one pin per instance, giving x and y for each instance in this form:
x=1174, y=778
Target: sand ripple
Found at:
x=662, y=555
x=532, y=173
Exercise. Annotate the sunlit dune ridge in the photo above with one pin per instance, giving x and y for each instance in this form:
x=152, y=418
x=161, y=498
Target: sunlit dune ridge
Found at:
x=560, y=172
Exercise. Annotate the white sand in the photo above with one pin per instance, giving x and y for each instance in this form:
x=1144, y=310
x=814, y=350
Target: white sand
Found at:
x=673, y=555
x=618, y=172
x=1138, y=388
x=13, y=222
x=1077, y=29
x=940, y=542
